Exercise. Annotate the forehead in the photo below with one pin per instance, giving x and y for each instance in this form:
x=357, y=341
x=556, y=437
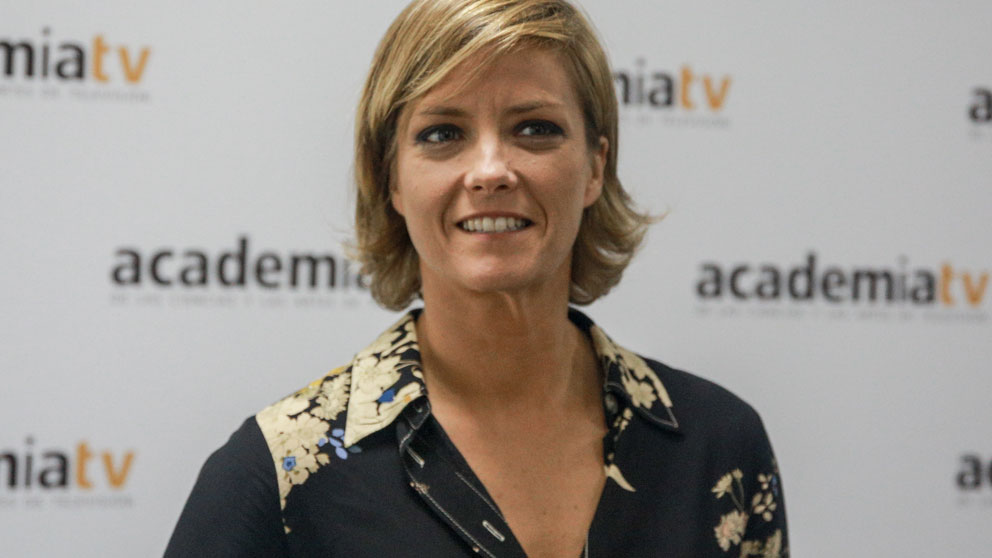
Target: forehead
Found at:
x=523, y=76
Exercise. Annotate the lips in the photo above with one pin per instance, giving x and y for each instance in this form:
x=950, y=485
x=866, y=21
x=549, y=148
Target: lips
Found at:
x=494, y=224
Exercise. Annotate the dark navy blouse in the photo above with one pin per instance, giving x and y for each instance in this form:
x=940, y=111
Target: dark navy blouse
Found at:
x=354, y=465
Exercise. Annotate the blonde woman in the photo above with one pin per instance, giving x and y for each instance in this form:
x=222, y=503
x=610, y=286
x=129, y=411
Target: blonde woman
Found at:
x=495, y=420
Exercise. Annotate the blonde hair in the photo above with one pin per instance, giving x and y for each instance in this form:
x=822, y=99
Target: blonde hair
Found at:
x=426, y=41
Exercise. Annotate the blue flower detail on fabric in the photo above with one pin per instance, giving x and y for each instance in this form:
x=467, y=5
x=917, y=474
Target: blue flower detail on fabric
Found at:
x=775, y=485
x=288, y=463
x=387, y=396
x=335, y=440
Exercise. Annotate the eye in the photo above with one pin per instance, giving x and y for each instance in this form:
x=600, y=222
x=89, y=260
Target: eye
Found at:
x=539, y=128
x=441, y=134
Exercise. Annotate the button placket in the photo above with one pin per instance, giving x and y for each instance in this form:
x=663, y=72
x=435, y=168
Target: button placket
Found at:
x=445, y=489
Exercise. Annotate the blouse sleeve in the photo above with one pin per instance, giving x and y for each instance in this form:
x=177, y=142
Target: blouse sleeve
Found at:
x=233, y=510
x=766, y=534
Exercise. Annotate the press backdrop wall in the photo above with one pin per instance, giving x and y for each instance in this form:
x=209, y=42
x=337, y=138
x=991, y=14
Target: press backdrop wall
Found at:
x=832, y=145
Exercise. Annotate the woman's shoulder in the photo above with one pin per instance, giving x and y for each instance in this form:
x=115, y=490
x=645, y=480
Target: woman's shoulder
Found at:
x=297, y=427
x=670, y=398
x=711, y=414
x=694, y=393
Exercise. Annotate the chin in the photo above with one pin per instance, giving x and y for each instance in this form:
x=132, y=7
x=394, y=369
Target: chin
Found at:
x=495, y=281
x=505, y=279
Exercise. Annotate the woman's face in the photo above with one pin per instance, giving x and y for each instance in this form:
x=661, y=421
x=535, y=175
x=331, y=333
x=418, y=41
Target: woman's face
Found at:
x=492, y=177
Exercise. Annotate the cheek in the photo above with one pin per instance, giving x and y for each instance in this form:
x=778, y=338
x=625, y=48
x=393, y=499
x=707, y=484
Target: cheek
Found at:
x=420, y=195
x=564, y=182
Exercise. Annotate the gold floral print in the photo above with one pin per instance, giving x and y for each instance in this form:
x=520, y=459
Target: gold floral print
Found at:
x=641, y=393
x=726, y=486
x=294, y=429
x=383, y=382
x=622, y=420
x=620, y=424
x=771, y=548
x=638, y=379
x=732, y=528
x=333, y=397
x=613, y=472
x=763, y=504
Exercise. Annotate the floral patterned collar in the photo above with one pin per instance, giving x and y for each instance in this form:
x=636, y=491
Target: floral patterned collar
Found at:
x=386, y=376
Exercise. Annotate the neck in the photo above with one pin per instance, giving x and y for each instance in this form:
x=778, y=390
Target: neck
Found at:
x=503, y=352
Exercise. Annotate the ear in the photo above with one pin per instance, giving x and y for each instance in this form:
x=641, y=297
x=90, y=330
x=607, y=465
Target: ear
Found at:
x=595, y=186
x=396, y=199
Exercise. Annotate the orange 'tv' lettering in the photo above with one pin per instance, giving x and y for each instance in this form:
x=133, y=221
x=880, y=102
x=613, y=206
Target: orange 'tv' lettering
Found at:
x=133, y=73
x=99, y=49
x=83, y=455
x=716, y=99
x=975, y=293
x=118, y=477
x=687, y=78
x=946, y=276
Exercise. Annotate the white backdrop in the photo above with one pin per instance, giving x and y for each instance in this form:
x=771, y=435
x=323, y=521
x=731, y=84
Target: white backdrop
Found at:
x=860, y=133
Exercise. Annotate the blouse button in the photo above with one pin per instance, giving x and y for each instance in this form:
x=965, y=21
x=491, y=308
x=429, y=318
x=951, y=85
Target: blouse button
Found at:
x=611, y=403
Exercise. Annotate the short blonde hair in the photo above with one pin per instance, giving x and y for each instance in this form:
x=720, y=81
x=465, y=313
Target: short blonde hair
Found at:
x=425, y=42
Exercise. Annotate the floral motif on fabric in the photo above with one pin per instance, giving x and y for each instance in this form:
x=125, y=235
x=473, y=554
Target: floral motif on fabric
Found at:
x=307, y=429
x=612, y=471
x=386, y=376
x=636, y=377
x=296, y=429
x=733, y=526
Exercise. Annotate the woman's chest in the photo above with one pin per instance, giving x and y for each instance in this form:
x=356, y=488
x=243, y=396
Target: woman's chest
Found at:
x=547, y=492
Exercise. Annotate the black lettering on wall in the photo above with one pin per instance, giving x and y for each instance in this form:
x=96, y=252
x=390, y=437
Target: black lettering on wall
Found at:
x=970, y=476
x=153, y=267
x=801, y=282
x=872, y=279
x=10, y=49
x=267, y=264
x=10, y=459
x=127, y=272
x=710, y=284
x=60, y=469
x=981, y=110
x=735, y=287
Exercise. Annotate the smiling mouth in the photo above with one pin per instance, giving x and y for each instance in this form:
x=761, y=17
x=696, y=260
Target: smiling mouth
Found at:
x=494, y=224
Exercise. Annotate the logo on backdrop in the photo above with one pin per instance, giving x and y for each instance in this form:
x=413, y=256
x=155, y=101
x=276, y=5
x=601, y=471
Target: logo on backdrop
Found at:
x=101, y=67
x=980, y=113
x=238, y=274
x=687, y=96
x=38, y=475
x=974, y=480
x=948, y=290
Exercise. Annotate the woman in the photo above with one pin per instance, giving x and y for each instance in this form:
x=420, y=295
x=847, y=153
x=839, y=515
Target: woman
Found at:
x=496, y=420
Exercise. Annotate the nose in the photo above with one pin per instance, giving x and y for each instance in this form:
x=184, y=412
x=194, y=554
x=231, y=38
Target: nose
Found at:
x=489, y=169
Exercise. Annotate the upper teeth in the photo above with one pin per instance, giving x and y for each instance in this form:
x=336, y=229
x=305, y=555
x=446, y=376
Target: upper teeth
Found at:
x=493, y=224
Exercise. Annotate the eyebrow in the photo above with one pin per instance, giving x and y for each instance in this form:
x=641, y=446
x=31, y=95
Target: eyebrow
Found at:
x=522, y=108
